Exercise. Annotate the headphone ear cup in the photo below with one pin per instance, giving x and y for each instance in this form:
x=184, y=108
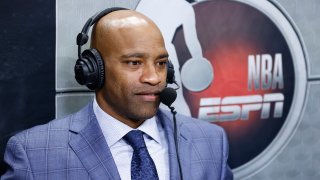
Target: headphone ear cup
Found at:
x=100, y=68
x=170, y=73
x=89, y=69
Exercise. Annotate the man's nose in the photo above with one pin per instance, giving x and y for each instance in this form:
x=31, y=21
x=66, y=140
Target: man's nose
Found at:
x=151, y=74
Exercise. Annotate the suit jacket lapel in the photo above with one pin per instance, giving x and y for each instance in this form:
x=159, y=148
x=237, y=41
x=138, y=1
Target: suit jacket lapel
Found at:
x=184, y=146
x=90, y=146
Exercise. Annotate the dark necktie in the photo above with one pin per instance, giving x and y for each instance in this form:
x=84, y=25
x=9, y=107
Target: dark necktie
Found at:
x=142, y=165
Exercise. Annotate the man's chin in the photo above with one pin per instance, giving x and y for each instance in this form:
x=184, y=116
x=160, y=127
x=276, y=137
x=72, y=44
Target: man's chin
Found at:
x=143, y=111
x=144, y=115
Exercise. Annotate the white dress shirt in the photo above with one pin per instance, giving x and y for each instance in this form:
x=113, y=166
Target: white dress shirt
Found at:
x=154, y=137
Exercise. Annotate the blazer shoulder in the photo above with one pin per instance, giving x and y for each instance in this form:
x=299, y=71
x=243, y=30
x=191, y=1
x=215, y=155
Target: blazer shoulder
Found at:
x=198, y=127
x=193, y=127
x=54, y=129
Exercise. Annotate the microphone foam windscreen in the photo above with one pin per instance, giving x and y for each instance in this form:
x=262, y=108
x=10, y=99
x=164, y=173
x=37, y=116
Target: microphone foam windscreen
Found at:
x=168, y=96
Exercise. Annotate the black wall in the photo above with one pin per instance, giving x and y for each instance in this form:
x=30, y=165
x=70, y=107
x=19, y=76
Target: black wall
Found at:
x=27, y=66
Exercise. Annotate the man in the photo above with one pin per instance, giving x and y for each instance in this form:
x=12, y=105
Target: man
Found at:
x=98, y=141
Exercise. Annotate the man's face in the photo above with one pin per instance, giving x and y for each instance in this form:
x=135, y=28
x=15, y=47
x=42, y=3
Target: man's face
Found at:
x=135, y=72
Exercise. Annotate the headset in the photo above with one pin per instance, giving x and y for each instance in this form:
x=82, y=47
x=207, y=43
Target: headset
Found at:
x=89, y=68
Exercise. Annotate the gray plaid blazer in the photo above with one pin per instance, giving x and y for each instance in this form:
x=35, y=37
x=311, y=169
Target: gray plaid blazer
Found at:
x=75, y=148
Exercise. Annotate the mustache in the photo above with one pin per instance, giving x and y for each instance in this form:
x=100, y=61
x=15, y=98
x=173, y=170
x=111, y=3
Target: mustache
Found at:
x=148, y=90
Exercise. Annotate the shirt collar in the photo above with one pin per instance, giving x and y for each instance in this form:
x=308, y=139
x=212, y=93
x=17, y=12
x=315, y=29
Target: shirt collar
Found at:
x=114, y=130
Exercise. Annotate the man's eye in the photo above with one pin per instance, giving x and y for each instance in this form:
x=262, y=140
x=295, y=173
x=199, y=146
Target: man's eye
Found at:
x=162, y=63
x=133, y=63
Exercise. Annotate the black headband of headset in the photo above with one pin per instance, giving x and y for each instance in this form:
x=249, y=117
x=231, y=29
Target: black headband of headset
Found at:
x=83, y=37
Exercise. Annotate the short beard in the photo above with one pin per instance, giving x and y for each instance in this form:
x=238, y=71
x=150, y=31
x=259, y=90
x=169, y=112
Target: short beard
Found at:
x=135, y=117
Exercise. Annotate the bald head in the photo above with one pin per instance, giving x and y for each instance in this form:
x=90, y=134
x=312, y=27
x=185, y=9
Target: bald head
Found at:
x=118, y=22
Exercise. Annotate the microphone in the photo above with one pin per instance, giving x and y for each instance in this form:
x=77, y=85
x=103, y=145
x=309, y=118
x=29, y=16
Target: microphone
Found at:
x=167, y=96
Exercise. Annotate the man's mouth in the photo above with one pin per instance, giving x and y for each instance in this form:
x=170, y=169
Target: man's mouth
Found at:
x=148, y=95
